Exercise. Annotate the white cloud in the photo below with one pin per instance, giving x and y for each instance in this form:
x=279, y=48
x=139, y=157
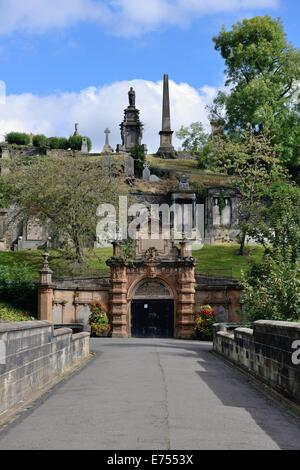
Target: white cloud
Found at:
x=122, y=17
x=97, y=108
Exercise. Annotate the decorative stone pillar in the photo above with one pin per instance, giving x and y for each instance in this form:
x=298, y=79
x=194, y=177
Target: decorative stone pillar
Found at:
x=45, y=292
x=119, y=310
x=186, y=300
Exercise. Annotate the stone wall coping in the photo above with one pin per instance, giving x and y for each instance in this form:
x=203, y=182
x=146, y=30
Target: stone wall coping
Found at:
x=79, y=336
x=278, y=324
x=21, y=326
x=244, y=331
x=226, y=334
x=62, y=332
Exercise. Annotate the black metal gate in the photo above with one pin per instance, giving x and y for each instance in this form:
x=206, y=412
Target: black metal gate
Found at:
x=152, y=318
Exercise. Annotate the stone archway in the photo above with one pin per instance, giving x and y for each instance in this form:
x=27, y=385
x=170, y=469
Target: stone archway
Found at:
x=152, y=310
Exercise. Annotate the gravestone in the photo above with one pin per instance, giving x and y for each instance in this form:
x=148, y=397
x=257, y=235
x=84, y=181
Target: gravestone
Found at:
x=154, y=179
x=107, y=148
x=107, y=164
x=84, y=146
x=146, y=172
x=129, y=166
x=184, y=183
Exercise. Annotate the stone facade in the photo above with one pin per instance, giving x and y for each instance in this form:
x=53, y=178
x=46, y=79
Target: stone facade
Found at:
x=269, y=352
x=158, y=271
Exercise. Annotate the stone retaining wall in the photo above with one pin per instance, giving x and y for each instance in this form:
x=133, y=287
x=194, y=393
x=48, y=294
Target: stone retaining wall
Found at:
x=270, y=352
x=32, y=355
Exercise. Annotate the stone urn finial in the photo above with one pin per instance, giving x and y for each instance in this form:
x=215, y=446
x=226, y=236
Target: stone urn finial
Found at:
x=46, y=272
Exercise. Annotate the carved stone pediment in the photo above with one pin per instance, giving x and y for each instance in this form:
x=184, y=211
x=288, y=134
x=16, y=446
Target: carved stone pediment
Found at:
x=152, y=289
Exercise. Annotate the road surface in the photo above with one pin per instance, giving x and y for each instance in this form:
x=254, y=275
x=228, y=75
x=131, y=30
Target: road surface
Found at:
x=153, y=395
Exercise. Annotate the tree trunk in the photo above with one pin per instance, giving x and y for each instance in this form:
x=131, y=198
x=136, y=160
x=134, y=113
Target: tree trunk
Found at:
x=79, y=250
x=243, y=243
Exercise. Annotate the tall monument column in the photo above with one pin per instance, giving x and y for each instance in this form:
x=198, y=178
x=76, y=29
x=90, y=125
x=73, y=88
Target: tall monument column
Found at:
x=166, y=149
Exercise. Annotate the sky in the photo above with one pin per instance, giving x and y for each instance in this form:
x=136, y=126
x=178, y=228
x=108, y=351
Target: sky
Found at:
x=67, y=61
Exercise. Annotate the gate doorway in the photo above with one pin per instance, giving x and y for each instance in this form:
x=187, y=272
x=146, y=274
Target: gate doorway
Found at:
x=152, y=318
x=152, y=311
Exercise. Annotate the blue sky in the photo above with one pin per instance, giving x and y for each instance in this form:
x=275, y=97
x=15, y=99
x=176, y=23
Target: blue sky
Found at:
x=50, y=47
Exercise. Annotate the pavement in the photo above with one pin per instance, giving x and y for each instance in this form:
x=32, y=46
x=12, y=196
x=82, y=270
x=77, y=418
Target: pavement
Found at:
x=141, y=394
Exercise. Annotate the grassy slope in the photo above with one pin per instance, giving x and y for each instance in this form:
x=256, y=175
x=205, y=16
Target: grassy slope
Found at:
x=214, y=260
x=190, y=167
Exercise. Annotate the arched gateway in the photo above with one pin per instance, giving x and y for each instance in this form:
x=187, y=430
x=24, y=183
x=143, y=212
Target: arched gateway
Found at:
x=153, y=294
x=152, y=310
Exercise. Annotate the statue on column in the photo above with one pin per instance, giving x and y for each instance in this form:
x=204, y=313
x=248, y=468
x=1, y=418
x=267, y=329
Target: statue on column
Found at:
x=131, y=95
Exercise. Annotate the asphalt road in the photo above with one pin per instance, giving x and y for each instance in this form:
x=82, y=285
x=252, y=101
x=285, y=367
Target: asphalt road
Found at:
x=154, y=394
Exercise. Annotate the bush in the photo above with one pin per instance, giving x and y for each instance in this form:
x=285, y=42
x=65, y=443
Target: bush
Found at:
x=58, y=143
x=138, y=154
x=204, y=322
x=75, y=142
x=40, y=141
x=18, y=138
x=99, y=321
x=17, y=287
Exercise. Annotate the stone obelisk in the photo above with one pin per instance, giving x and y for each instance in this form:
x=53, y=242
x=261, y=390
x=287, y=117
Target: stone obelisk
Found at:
x=166, y=149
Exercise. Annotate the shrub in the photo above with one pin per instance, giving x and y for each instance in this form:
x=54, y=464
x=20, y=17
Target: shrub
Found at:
x=98, y=320
x=204, y=322
x=17, y=287
x=75, y=142
x=58, y=143
x=40, y=141
x=18, y=138
x=138, y=154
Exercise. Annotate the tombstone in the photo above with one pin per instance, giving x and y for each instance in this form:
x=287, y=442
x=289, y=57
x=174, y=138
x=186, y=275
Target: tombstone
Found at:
x=146, y=172
x=84, y=146
x=31, y=139
x=107, y=164
x=107, y=148
x=154, y=179
x=226, y=214
x=129, y=166
x=184, y=183
x=216, y=213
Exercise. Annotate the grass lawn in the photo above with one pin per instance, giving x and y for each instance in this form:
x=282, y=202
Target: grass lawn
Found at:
x=216, y=260
x=222, y=260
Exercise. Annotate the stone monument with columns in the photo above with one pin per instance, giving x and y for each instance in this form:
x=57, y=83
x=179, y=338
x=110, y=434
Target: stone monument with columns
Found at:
x=131, y=128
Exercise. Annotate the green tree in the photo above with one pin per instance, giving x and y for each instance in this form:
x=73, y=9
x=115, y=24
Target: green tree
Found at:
x=263, y=72
x=64, y=193
x=271, y=290
x=193, y=137
x=277, y=226
x=251, y=161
